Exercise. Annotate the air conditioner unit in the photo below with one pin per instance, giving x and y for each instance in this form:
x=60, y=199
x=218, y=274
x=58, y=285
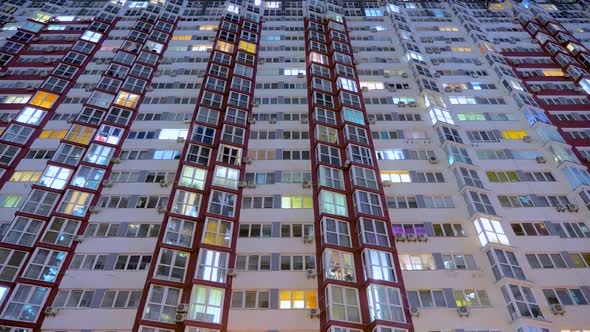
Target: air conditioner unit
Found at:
x=560, y=208
x=535, y=88
x=525, y=74
x=587, y=159
x=457, y=89
x=433, y=160
x=448, y=89
x=412, y=237
x=392, y=88
x=51, y=311
x=272, y=120
x=404, y=75
x=557, y=309
x=93, y=209
x=306, y=184
x=414, y=311
x=78, y=238
x=347, y=163
x=99, y=61
x=243, y=184
x=3, y=74
x=387, y=183
x=163, y=183
x=400, y=237
x=412, y=104
x=182, y=308
x=527, y=139
x=35, y=39
x=401, y=104
x=422, y=237
x=180, y=140
x=300, y=75
x=107, y=183
x=572, y=208
x=180, y=317
x=251, y=120
x=474, y=75
x=308, y=238
x=116, y=160
x=248, y=161
x=149, y=88
x=310, y=273
x=251, y=185
x=372, y=120
x=162, y=209
x=365, y=89
x=232, y=273
x=386, y=75
x=30, y=88
x=463, y=311
x=540, y=159
x=314, y=313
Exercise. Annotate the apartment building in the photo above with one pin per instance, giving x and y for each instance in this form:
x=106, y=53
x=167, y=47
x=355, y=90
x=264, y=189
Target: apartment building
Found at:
x=327, y=165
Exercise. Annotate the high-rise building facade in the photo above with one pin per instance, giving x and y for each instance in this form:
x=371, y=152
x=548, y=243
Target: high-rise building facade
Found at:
x=327, y=165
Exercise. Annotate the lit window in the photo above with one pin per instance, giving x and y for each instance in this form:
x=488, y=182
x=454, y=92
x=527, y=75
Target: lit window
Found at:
x=91, y=36
x=25, y=303
x=373, y=12
x=172, y=133
x=88, y=177
x=44, y=265
x=297, y=299
x=99, y=154
x=319, y=58
x=461, y=49
x=396, y=176
x=233, y=8
x=248, y=47
x=212, y=265
x=372, y=85
x=490, y=230
x=346, y=84
x=25, y=176
x=496, y=6
x=183, y=37
x=30, y=115
x=554, y=72
x=206, y=304
x=109, y=134
x=126, y=99
x=343, y=304
x=385, y=303
x=339, y=265
x=52, y=134
x=226, y=177
x=217, y=232
x=186, y=203
x=55, y=177
x=378, y=265
x=75, y=203
x=41, y=17
x=513, y=134
x=437, y=114
x=44, y=99
x=333, y=203
x=21, y=99
x=296, y=202
x=192, y=177
x=225, y=46
x=210, y=27
x=80, y=134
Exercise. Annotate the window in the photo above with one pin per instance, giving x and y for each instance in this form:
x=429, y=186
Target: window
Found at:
x=88, y=177
x=120, y=299
x=88, y=262
x=218, y=232
x=250, y=299
x=565, y=296
x=521, y=302
x=17, y=133
x=179, y=232
x=425, y=298
x=23, y=231
x=385, y=303
x=297, y=262
x=222, y=203
x=73, y=299
x=75, y=203
x=68, y=154
x=99, y=154
x=343, y=304
x=546, y=261
x=192, y=177
x=40, y=202
x=471, y=298
x=212, y=265
x=43, y=99
x=367, y=203
x=253, y=263
x=378, y=265
x=44, y=265
x=416, y=262
x=335, y=232
x=373, y=231
x=133, y=262
x=30, y=115
x=248, y=47
x=490, y=230
x=25, y=303
x=296, y=230
x=297, y=299
x=206, y=304
x=127, y=99
x=363, y=177
x=226, y=177
x=186, y=203
x=10, y=263
x=171, y=265
x=296, y=202
x=332, y=203
x=161, y=304
x=448, y=230
x=255, y=230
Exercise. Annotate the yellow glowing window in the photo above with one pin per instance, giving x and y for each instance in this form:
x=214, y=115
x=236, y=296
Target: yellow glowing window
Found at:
x=449, y=29
x=25, y=176
x=182, y=37
x=225, y=47
x=549, y=7
x=248, y=47
x=53, y=134
x=296, y=202
x=41, y=17
x=496, y=6
x=44, y=99
x=297, y=299
x=80, y=134
x=461, y=49
x=207, y=27
x=550, y=72
x=513, y=134
x=126, y=99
